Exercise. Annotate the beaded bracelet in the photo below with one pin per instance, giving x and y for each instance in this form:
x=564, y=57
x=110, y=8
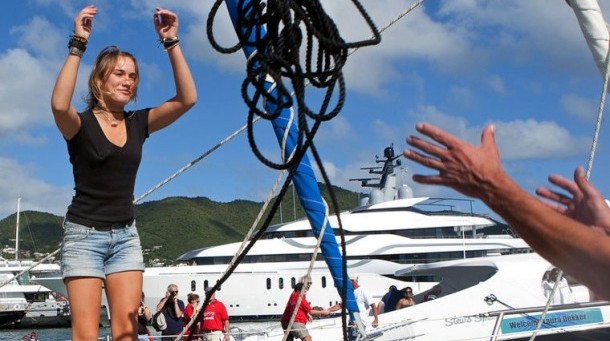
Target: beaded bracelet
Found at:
x=77, y=45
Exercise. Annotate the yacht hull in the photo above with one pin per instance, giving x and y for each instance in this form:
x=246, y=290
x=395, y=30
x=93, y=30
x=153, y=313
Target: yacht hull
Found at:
x=495, y=298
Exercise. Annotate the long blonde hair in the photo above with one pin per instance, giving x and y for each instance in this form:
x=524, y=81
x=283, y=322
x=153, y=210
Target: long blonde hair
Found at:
x=104, y=65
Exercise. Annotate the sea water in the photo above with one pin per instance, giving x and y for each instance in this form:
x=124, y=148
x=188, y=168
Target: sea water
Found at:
x=48, y=334
x=64, y=334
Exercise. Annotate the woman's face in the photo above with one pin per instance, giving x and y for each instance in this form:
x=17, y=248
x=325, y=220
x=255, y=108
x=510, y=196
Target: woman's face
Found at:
x=120, y=85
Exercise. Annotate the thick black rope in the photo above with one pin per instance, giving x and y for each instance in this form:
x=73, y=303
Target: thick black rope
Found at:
x=289, y=25
x=278, y=57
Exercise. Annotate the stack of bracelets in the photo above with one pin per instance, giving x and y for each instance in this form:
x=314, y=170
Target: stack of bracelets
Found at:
x=168, y=43
x=77, y=45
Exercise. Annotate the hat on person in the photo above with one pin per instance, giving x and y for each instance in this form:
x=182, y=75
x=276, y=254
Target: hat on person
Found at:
x=354, y=278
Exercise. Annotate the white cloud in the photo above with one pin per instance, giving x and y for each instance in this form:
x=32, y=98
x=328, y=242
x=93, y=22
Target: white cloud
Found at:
x=30, y=72
x=66, y=6
x=339, y=130
x=461, y=95
x=41, y=37
x=20, y=180
x=579, y=107
x=25, y=94
x=496, y=83
x=523, y=30
x=531, y=139
x=518, y=139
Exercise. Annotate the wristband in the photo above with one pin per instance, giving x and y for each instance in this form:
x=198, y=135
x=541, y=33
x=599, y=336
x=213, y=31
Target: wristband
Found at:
x=169, y=43
x=77, y=45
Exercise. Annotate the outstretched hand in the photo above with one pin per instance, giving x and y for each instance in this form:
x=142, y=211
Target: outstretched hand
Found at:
x=166, y=23
x=461, y=166
x=84, y=21
x=586, y=203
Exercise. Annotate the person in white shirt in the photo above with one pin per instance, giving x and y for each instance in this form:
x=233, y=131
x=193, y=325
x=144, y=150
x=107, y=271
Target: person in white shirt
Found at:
x=365, y=304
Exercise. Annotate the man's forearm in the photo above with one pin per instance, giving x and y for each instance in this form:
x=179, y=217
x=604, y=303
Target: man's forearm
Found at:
x=554, y=236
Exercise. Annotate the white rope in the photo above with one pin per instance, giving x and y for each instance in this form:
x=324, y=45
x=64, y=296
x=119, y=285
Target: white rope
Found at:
x=600, y=114
x=192, y=163
x=309, y=269
x=263, y=209
x=31, y=267
x=392, y=22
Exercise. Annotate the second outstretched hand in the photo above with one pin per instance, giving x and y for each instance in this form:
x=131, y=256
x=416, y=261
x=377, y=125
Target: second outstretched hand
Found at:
x=166, y=23
x=586, y=203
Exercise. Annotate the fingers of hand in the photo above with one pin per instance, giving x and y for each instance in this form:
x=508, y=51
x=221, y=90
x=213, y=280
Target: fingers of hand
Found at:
x=85, y=18
x=545, y=193
x=554, y=196
x=437, y=134
x=565, y=184
x=429, y=179
x=584, y=185
x=165, y=17
x=423, y=160
x=424, y=145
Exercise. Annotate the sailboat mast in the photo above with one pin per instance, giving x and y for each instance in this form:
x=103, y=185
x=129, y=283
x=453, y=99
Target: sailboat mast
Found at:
x=17, y=230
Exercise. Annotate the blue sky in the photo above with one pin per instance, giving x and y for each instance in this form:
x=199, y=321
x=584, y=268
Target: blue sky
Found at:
x=523, y=65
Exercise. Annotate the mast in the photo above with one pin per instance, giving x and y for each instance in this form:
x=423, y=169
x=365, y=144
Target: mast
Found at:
x=17, y=230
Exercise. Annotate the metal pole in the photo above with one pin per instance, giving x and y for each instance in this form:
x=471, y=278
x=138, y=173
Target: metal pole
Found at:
x=17, y=230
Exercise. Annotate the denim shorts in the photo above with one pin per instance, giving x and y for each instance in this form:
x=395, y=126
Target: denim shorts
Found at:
x=87, y=252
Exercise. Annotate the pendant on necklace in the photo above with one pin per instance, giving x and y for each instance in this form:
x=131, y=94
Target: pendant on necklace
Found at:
x=114, y=123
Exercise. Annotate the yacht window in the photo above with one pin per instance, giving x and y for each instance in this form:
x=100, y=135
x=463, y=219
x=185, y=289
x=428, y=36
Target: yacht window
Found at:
x=193, y=286
x=301, y=257
x=293, y=282
x=268, y=283
x=281, y=283
x=205, y=284
x=323, y=281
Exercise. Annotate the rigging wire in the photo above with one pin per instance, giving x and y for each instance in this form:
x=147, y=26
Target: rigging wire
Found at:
x=193, y=162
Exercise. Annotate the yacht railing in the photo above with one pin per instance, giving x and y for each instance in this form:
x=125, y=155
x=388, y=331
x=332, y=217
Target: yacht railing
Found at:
x=500, y=314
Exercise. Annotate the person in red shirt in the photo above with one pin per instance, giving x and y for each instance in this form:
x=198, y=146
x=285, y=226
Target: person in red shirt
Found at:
x=304, y=313
x=215, y=324
x=189, y=311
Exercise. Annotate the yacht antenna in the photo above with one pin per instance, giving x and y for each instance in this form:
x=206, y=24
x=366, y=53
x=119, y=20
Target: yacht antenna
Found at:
x=387, y=169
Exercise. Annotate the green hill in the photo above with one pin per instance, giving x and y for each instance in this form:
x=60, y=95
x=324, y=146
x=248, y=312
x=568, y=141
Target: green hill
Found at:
x=167, y=227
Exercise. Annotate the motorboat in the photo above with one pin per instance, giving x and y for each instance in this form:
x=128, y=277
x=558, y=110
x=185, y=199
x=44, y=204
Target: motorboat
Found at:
x=388, y=230
x=486, y=298
x=41, y=306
